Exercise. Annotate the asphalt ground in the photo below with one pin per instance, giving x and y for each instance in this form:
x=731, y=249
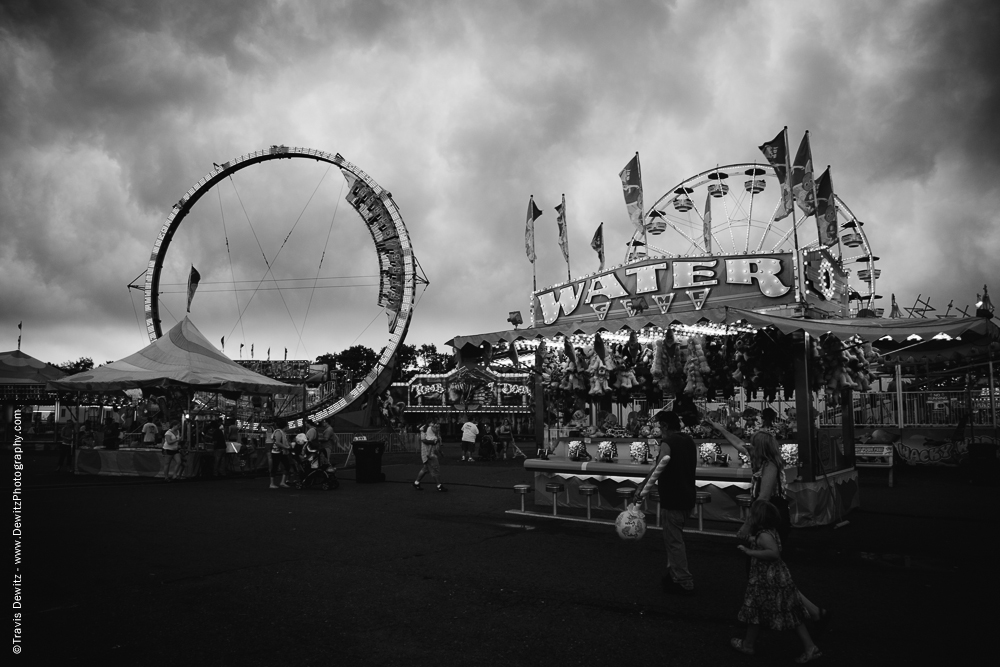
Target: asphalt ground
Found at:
x=229, y=572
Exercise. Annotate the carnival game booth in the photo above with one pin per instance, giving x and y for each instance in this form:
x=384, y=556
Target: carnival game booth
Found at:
x=178, y=364
x=681, y=332
x=485, y=394
x=941, y=402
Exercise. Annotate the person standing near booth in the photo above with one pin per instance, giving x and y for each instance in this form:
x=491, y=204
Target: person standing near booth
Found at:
x=505, y=438
x=149, y=433
x=674, y=476
x=172, y=451
x=279, y=458
x=328, y=438
x=469, y=434
x=66, y=437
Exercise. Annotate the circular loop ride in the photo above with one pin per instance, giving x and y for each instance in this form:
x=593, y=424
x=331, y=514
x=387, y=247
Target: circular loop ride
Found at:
x=399, y=270
x=739, y=203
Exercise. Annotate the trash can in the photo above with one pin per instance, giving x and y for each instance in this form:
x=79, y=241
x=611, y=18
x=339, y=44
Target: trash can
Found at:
x=368, y=454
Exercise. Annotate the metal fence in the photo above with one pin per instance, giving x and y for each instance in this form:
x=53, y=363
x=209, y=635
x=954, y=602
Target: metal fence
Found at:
x=920, y=408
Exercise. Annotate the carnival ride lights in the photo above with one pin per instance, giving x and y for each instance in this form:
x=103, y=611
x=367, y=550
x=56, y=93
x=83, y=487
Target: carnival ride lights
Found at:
x=399, y=270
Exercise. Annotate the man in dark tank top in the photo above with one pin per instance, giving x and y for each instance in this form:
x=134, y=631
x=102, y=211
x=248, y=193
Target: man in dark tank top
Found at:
x=674, y=476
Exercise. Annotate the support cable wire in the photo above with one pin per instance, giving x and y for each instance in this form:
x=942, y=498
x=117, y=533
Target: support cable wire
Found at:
x=232, y=271
x=280, y=280
x=366, y=328
x=275, y=258
x=142, y=334
x=322, y=256
x=267, y=289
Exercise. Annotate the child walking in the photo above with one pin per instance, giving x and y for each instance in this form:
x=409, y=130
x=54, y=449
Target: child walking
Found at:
x=771, y=598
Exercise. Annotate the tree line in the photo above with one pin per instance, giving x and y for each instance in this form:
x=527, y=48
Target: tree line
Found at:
x=358, y=359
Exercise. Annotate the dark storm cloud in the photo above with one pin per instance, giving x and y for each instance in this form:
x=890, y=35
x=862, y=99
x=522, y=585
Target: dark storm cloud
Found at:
x=112, y=110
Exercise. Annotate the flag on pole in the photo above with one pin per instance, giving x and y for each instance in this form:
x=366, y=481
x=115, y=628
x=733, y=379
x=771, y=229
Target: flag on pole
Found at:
x=241, y=349
x=223, y=341
x=776, y=152
x=632, y=188
x=597, y=243
x=251, y=350
x=286, y=354
x=529, y=229
x=269, y=354
x=193, y=279
x=19, y=334
x=561, y=222
x=803, y=186
x=707, y=226
x=826, y=210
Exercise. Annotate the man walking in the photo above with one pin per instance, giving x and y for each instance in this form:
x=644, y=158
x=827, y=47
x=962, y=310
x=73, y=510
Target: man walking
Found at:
x=430, y=451
x=674, y=478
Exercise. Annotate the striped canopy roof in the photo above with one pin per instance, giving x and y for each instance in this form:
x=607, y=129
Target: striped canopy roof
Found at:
x=181, y=357
x=16, y=367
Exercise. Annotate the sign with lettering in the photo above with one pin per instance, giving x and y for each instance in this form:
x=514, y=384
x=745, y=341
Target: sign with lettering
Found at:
x=672, y=285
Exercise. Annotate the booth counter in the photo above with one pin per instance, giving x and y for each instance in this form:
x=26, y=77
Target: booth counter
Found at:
x=146, y=462
x=723, y=482
x=811, y=503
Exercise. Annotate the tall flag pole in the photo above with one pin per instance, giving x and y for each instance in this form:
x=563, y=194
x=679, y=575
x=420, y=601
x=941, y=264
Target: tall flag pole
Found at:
x=529, y=238
x=597, y=243
x=826, y=210
x=707, y=226
x=776, y=152
x=223, y=341
x=563, y=237
x=631, y=177
x=803, y=185
x=193, y=279
x=19, y=335
x=241, y=349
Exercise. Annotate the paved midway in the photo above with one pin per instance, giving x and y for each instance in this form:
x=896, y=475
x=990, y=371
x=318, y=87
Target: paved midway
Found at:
x=228, y=572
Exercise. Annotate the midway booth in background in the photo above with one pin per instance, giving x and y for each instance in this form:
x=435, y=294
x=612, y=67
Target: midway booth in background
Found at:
x=489, y=395
x=178, y=364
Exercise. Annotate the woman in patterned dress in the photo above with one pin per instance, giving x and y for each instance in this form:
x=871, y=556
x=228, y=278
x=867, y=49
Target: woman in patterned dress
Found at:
x=771, y=598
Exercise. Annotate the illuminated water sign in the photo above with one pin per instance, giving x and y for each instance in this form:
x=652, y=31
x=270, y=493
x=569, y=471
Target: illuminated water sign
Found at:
x=671, y=286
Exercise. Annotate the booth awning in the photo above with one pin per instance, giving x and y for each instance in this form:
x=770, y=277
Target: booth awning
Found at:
x=16, y=367
x=872, y=329
x=181, y=357
x=647, y=319
x=869, y=329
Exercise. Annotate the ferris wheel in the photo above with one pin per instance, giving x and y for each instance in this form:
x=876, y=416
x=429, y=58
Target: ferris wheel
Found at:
x=280, y=266
x=739, y=203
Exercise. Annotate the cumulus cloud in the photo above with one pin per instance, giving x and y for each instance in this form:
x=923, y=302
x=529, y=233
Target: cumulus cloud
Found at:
x=110, y=111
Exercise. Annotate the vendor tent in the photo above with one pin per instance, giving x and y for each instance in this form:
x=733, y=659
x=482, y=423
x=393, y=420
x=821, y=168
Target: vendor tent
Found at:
x=16, y=367
x=181, y=357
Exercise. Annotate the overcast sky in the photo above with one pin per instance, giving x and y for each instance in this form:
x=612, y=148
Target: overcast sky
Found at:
x=110, y=111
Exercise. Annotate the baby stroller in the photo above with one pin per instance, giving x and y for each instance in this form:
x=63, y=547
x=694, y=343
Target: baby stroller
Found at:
x=316, y=469
x=487, y=450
